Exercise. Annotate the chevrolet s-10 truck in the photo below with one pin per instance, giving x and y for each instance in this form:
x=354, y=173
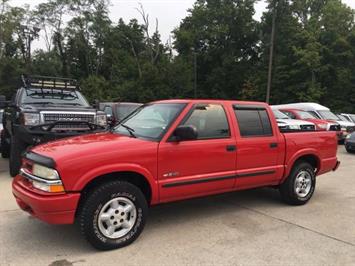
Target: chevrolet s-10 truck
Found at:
x=167, y=151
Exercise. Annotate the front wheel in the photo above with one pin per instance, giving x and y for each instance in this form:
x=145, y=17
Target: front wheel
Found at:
x=113, y=215
x=299, y=187
x=16, y=149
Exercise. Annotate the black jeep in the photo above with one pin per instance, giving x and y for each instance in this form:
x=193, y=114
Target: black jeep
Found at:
x=43, y=109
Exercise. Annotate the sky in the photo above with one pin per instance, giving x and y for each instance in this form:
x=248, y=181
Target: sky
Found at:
x=168, y=12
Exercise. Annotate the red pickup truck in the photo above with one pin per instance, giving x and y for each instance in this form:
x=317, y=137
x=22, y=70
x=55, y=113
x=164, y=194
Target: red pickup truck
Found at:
x=167, y=151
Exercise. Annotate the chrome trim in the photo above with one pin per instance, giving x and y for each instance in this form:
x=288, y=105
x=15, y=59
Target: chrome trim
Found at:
x=27, y=175
x=42, y=113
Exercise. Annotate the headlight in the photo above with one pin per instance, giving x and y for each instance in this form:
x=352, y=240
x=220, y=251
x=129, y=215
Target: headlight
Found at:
x=294, y=127
x=348, y=136
x=323, y=126
x=45, y=172
x=343, y=128
x=31, y=119
x=101, y=120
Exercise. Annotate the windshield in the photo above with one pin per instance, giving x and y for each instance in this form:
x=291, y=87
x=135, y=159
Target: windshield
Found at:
x=279, y=115
x=342, y=118
x=328, y=115
x=150, y=121
x=352, y=118
x=55, y=96
x=305, y=115
x=124, y=110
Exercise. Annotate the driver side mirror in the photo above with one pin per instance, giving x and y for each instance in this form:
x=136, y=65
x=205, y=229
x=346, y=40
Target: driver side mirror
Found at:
x=182, y=133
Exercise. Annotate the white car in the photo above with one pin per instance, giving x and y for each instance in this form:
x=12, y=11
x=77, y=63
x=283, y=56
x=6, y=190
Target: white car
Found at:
x=321, y=112
x=349, y=117
x=286, y=123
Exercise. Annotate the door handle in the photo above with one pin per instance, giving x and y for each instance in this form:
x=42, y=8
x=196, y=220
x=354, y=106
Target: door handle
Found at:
x=231, y=148
x=273, y=145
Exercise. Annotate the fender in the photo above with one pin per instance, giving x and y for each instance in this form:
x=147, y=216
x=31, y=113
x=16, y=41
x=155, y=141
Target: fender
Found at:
x=308, y=151
x=107, y=169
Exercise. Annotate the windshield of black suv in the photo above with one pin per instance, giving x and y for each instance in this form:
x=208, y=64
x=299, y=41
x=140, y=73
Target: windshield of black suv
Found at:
x=55, y=96
x=328, y=115
x=280, y=115
x=150, y=121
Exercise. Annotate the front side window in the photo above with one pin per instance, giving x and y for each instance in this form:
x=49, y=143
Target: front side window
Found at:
x=210, y=120
x=253, y=122
x=304, y=115
x=328, y=115
x=289, y=114
x=150, y=121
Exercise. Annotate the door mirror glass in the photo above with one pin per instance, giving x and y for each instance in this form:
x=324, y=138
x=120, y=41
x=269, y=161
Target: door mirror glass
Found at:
x=182, y=133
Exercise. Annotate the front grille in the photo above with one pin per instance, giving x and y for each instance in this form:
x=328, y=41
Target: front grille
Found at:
x=334, y=128
x=69, y=117
x=350, y=129
x=308, y=127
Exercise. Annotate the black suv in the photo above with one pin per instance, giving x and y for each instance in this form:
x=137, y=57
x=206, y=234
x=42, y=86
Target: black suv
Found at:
x=43, y=109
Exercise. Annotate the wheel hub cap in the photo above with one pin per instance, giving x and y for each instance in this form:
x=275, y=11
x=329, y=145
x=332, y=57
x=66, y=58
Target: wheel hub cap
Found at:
x=303, y=183
x=117, y=217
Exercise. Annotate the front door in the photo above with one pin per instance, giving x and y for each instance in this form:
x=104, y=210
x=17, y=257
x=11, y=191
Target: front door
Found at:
x=203, y=166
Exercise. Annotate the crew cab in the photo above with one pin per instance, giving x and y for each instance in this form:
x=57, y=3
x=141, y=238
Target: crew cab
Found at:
x=163, y=152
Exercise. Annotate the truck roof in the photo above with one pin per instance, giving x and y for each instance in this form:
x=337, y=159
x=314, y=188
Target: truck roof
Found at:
x=306, y=106
x=221, y=101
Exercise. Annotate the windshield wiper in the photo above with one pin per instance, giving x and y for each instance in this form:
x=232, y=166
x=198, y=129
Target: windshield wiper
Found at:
x=130, y=130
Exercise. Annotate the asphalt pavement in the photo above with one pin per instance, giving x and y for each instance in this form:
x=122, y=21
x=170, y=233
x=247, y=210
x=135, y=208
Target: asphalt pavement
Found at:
x=242, y=228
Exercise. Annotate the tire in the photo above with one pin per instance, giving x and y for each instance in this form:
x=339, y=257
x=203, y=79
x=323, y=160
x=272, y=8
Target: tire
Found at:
x=16, y=149
x=97, y=206
x=349, y=151
x=5, y=147
x=298, y=191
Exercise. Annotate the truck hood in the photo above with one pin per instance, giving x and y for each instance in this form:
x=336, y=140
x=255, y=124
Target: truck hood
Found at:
x=99, y=146
x=57, y=108
x=293, y=122
x=345, y=124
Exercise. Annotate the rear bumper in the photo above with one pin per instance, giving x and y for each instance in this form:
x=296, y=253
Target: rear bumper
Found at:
x=336, y=166
x=51, y=208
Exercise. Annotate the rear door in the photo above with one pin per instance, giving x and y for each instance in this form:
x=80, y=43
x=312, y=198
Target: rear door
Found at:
x=203, y=166
x=259, y=148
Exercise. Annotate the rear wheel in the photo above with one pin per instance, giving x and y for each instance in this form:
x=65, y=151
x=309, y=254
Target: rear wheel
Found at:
x=113, y=215
x=16, y=149
x=299, y=187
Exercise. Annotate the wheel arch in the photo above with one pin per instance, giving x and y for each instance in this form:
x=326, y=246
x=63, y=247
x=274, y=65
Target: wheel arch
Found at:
x=310, y=157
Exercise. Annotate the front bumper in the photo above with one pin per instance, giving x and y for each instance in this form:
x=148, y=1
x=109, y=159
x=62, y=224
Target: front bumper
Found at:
x=36, y=135
x=53, y=208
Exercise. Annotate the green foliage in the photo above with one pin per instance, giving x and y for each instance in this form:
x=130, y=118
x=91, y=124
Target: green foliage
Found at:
x=314, y=51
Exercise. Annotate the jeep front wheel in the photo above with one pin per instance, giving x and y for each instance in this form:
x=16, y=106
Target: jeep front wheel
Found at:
x=16, y=149
x=113, y=215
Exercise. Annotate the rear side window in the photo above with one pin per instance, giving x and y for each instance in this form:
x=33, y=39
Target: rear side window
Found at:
x=253, y=122
x=210, y=121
